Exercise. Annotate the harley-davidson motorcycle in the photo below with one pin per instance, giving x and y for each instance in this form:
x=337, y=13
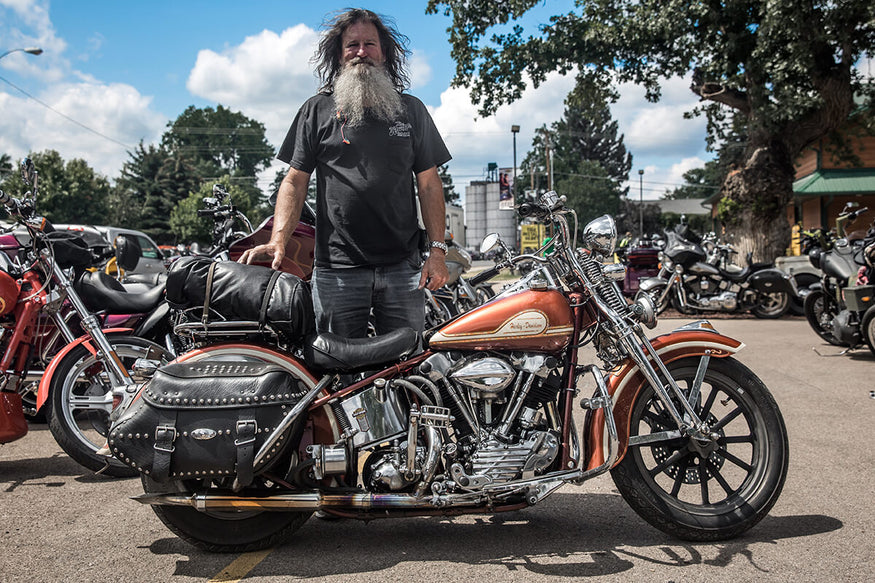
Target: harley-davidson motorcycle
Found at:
x=689, y=283
x=239, y=442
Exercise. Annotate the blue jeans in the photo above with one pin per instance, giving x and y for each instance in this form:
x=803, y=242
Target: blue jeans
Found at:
x=343, y=298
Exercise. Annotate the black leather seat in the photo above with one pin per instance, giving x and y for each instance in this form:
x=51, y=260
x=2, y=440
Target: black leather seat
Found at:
x=101, y=292
x=336, y=354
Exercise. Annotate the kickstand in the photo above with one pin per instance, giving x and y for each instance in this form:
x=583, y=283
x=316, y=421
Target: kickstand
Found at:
x=103, y=469
x=842, y=353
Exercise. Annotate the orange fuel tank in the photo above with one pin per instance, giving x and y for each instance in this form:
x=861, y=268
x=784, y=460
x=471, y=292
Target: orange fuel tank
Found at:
x=532, y=321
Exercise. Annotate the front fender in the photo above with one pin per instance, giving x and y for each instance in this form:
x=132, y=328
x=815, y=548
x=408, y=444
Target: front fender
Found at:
x=652, y=283
x=43, y=392
x=625, y=383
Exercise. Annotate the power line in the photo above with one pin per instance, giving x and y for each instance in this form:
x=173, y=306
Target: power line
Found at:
x=65, y=116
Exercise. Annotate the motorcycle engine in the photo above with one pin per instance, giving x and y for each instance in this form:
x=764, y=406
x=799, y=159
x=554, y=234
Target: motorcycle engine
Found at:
x=710, y=293
x=495, y=420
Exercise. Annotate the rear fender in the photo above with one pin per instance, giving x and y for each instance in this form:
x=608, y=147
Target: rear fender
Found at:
x=43, y=392
x=626, y=382
x=652, y=283
x=322, y=426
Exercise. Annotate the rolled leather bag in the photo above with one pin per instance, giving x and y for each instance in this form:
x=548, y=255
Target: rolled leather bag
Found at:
x=207, y=419
x=243, y=292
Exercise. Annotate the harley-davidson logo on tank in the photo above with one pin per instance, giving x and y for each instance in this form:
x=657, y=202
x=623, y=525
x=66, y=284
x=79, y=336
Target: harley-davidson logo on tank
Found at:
x=532, y=320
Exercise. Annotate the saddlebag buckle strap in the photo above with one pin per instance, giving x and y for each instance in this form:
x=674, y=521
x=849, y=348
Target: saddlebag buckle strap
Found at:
x=208, y=291
x=245, y=442
x=165, y=435
x=265, y=301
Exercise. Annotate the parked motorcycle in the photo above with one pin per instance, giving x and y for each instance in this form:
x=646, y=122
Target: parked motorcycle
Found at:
x=689, y=283
x=238, y=443
x=641, y=259
x=835, y=257
x=50, y=335
x=460, y=293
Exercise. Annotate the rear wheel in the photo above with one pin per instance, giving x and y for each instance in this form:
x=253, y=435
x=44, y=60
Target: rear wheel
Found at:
x=772, y=305
x=706, y=490
x=224, y=531
x=820, y=309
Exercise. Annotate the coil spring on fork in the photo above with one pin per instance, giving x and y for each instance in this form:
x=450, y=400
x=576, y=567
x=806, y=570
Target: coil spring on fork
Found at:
x=607, y=289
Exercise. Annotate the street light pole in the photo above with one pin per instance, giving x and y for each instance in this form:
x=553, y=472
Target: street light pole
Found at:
x=29, y=50
x=514, y=129
x=641, y=203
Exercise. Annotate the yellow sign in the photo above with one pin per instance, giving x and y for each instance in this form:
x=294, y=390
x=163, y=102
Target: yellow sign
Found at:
x=531, y=237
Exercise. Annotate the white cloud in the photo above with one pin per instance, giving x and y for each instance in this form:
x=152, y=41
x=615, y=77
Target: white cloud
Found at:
x=420, y=70
x=116, y=111
x=267, y=77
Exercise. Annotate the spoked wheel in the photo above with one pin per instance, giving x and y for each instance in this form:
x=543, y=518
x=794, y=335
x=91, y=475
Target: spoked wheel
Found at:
x=710, y=490
x=820, y=309
x=772, y=305
x=81, y=401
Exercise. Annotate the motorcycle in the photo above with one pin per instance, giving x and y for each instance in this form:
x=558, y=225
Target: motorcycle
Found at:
x=689, y=283
x=824, y=305
x=642, y=262
x=239, y=442
x=50, y=335
x=460, y=294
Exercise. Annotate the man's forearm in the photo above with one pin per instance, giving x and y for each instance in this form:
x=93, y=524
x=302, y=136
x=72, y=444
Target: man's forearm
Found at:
x=289, y=203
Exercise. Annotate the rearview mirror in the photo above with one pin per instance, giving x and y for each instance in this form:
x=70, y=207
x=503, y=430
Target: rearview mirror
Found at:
x=490, y=242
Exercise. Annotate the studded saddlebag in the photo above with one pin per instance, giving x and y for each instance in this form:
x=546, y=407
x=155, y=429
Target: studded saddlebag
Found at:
x=195, y=420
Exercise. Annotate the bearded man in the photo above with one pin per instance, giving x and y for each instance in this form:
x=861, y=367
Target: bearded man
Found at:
x=367, y=141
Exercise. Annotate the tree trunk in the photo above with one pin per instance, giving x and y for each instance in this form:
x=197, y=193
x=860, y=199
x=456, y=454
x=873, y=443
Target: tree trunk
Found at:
x=758, y=194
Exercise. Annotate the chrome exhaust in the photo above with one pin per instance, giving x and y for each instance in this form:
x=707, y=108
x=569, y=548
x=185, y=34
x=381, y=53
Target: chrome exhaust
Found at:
x=303, y=502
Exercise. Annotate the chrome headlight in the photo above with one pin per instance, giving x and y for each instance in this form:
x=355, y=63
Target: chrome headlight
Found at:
x=600, y=235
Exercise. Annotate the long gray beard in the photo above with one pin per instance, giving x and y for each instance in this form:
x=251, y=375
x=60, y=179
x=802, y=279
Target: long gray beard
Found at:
x=365, y=91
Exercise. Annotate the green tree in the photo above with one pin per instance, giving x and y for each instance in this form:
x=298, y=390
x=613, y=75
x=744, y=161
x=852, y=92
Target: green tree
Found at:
x=787, y=67
x=5, y=166
x=219, y=141
x=450, y=194
x=185, y=226
x=136, y=186
x=698, y=182
x=591, y=192
x=69, y=192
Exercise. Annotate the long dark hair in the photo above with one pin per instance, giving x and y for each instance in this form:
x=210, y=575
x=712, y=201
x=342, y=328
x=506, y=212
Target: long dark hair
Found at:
x=392, y=43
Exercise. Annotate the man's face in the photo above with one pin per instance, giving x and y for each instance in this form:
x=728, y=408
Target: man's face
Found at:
x=361, y=41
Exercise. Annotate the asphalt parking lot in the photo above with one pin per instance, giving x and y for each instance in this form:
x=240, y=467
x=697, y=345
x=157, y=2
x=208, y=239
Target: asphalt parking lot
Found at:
x=61, y=523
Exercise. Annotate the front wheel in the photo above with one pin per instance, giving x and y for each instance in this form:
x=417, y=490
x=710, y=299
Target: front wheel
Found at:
x=80, y=397
x=820, y=309
x=868, y=328
x=706, y=490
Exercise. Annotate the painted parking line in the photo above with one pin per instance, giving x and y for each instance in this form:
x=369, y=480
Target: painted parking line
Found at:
x=240, y=567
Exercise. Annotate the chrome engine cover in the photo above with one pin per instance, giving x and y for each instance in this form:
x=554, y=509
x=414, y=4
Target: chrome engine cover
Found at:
x=487, y=377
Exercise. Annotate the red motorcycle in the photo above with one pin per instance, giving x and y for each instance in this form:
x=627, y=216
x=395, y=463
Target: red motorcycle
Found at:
x=49, y=335
x=239, y=442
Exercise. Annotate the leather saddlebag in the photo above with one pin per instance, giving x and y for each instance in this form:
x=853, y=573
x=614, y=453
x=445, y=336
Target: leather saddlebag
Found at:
x=207, y=419
x=243, y=292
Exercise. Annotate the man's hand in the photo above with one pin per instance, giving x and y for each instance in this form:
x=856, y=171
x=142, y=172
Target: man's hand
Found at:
x=267, y=251
x=434, y=272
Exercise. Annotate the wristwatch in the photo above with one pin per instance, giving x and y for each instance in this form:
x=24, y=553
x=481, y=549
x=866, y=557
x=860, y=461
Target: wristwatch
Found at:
x=438, y=245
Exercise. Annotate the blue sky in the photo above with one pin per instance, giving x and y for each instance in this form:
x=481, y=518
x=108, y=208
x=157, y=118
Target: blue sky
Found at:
x=124, y=69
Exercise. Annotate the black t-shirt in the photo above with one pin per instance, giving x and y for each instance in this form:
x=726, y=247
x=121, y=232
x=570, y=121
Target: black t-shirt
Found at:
x=365, y=208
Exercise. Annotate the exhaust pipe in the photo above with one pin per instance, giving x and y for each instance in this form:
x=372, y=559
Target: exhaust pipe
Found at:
x=304, y=502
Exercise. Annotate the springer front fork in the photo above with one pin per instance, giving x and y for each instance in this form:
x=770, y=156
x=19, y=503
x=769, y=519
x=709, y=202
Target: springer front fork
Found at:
x=669, y=392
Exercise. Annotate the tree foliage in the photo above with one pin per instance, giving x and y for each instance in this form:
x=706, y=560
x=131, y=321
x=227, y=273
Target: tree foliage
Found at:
x=450, y=194
x=785, y=66
x=69, y=192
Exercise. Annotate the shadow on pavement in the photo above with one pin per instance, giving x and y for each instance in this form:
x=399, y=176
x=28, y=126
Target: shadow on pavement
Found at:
x=561, y=538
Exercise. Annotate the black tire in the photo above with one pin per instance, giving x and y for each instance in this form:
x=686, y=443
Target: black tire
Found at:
x=78, y=419
x=803, y=282
x=820, y=309
x=655, y=294
x=437, y=311
x=223, y=531
x=868, y=328
x=771, y=306
x=673, y=486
